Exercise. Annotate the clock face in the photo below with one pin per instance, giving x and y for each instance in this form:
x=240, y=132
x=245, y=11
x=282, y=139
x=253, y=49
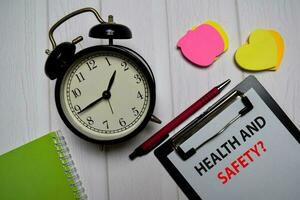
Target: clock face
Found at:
x=105, y=95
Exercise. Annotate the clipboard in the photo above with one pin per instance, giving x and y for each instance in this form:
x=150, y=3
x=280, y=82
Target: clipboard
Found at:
x=243, y=147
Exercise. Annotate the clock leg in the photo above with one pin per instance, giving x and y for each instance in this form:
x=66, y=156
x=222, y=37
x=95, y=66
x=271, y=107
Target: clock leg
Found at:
x=155, y=119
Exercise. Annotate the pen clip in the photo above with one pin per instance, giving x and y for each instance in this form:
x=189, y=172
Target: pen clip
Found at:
x=200, y=122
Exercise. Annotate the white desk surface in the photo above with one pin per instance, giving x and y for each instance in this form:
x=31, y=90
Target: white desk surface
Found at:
x=27, y=96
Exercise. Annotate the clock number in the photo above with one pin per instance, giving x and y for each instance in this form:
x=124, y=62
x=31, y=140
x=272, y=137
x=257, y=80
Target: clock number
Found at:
x=135, y=111
x=91, y=64
x=138, y=78
x=105, y=123
x=77, y=108
x=124, y=64
x=107, y=61
x=139, y=95
x=80, y=77
x=122, y=122
x=76, y=92
x=90, y=120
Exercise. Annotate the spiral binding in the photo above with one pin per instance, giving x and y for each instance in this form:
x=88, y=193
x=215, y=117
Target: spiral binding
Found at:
x=69, y=167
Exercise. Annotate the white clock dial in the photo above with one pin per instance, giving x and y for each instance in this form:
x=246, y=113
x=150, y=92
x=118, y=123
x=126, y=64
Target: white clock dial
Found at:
x=100, y=112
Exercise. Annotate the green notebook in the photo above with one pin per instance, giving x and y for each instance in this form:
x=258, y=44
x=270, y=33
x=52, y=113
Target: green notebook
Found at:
x=41, y=169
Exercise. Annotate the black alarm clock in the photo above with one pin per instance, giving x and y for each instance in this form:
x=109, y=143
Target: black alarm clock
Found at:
x=103, y=93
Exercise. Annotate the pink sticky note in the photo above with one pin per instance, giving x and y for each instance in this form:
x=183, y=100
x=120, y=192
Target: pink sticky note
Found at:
x=202, y=45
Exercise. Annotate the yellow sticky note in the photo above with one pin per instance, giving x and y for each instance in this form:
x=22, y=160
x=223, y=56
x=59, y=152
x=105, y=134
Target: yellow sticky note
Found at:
x=260, y=53
x=194, y=27
x=221, y=31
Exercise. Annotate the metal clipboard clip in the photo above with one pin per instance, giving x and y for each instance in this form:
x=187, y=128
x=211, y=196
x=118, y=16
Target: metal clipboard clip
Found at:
x=204, y=118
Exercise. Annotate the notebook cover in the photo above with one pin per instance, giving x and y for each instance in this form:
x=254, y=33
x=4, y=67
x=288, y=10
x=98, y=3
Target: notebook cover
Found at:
x=35, y=171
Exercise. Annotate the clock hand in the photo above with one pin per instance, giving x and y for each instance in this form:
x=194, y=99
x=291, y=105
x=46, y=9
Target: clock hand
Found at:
x=111, y=81
x=91, y=104
x=110, y=106
x=105, y=95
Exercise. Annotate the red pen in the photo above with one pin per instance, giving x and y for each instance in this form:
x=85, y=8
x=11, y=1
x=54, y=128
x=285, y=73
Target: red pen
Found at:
x=163, y=133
